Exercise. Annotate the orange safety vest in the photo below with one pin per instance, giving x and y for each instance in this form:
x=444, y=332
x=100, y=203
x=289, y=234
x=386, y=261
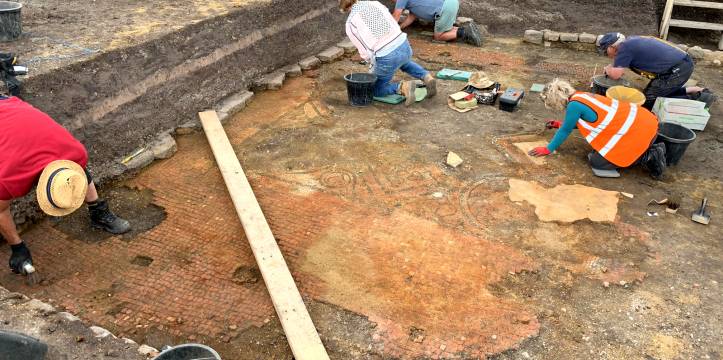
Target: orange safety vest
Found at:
x=622, y=132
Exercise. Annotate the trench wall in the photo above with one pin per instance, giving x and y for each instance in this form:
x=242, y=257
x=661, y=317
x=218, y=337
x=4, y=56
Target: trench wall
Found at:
x=121, y=100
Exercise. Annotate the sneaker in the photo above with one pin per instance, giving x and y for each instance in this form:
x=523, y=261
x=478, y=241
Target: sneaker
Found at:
x=654, y=160
x=431, y=84
x=406, y=89
x=472, y=34
x=599, y=172
x=101, y=217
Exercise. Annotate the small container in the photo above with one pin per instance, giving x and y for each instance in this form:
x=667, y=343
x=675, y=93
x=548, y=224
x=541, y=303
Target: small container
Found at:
x=676, y=139
x=511, y=99
x=360, y=88
x=11, y=24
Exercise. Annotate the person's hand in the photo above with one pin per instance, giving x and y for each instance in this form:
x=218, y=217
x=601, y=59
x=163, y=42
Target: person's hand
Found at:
x=20, y=256
x=539, y=151
x=553, y=124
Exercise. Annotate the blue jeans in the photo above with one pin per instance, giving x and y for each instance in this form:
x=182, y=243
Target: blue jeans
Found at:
x=386, y=66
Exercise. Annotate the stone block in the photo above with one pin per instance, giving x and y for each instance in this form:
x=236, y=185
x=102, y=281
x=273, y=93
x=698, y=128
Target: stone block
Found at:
x=234, y=103
x=683, y=47
x=164, y=147
x=312, y=62
x=698, y=53
x=140, y=160
x=453, y=159
x=272, y=81
x=68, y=316
x=40, y=307
x=347, y=45
x=569, y=37
x=587, y=38
x=552, y=36
x=533, y=36
x=100, y=332
x=292, y=70
x=330, y=54
x=147, y=350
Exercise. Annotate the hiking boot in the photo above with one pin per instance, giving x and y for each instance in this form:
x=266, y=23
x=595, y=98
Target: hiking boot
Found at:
x=654, y=160
x=406, y=89
x=101, y=217
x=472, y=34
x=431, y=84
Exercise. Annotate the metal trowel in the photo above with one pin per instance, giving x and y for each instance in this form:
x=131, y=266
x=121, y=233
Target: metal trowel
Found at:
x=701, y=216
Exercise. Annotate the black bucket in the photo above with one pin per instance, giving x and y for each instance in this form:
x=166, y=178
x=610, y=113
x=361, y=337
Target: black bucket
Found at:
x=601, y=84
x=11, y=24
x=189, y=352
x=676, y=139
x=360, y=88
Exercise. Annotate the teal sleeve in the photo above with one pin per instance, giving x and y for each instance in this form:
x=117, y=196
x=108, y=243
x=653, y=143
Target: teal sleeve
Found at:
x=575, y=111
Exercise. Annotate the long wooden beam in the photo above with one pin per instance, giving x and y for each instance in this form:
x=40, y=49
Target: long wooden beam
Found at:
x=300, y=331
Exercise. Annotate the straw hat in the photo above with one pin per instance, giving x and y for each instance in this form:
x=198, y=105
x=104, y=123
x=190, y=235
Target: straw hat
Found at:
x=61, y=188
x=480, y=80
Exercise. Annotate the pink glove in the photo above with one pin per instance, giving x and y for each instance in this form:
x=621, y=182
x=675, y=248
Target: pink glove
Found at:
x=553, y=124
x=539, y=151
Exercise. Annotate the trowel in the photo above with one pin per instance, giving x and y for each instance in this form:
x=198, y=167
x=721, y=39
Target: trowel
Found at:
x=701, y=216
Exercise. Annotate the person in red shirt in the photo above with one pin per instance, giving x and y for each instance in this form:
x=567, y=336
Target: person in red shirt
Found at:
x=34, y=149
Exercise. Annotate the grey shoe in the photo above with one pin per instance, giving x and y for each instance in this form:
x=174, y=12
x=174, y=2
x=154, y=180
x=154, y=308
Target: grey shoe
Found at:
x=472, y=34
x=101, y=217
x=406, y=89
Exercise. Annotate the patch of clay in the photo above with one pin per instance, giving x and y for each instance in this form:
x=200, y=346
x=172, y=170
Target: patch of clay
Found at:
x=306, y=184
x=525, y=147
x=566, y=203
x=664, y=347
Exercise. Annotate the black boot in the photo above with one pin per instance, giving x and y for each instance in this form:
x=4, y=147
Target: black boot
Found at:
x=102, y=218
x=654, y=160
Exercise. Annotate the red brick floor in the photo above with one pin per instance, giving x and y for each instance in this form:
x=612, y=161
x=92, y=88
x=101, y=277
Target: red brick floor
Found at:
x=374, y=239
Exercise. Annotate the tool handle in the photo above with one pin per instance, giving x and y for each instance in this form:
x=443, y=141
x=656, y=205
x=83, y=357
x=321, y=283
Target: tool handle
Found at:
x=703, y=205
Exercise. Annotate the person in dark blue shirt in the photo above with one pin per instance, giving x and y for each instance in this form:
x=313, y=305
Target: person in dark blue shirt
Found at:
x=667, y=66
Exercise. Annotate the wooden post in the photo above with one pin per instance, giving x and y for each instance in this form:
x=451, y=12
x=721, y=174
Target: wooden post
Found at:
x=298, y=327
x=665, y=21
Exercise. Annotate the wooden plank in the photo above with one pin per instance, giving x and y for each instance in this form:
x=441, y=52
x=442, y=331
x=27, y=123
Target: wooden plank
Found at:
x=696, y=25
x=300, y=331
x=665, y=21
x=700, y=4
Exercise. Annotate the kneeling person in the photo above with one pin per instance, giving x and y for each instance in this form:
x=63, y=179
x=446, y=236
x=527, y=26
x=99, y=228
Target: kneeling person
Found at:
x=36, y=149
x=621, y=134
x=443, y=13
x=667, y=67
x=382, y=43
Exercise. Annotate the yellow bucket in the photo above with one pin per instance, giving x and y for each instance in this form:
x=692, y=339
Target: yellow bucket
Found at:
x=626, y=94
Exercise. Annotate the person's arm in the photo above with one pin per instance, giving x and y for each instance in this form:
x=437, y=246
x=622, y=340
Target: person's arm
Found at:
x=614, y=72
x=20, y=253
x=7, y=224
x=397, y=14
x=572, y=115
x=399, y=7
x=363, y=52
x=408, y=21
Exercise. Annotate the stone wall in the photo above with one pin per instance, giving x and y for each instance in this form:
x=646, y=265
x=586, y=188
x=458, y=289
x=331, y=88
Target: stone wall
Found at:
x=122, y=100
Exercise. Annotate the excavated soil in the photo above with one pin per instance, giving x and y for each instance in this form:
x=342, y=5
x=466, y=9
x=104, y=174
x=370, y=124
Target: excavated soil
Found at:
x=397, y=254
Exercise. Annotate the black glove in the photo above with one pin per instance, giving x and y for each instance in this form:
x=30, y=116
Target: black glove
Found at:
x=20, y=256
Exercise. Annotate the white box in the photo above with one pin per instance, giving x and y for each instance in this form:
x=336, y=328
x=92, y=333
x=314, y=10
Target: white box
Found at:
x=689, y=113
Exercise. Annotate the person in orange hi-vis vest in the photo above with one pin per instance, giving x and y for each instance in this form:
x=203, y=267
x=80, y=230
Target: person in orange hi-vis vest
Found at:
x=621, y=134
